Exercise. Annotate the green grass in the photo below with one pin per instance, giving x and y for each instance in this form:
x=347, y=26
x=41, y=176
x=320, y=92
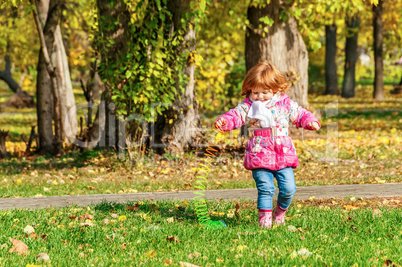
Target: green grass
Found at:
x=334, y=236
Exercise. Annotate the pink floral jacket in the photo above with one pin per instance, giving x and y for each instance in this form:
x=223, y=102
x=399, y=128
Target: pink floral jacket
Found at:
x=264, y=150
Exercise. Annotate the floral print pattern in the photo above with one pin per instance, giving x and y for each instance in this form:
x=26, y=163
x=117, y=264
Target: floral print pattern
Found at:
x=264, y=150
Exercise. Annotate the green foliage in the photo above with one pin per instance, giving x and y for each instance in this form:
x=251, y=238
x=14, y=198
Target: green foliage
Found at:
x=78, y=25
x=149, y=71
x=221, y=42
x=18, y=38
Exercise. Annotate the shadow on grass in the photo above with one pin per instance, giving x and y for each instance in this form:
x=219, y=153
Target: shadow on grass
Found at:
x=42, y=163
x=165, y=209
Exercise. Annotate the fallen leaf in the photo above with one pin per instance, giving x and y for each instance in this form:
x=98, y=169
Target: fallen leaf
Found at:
x=187, y=264
x=170, y=219
x=304, y=252
x=122, y=218
x=18, y=246
x=150, y=254
x=87, y=224
x=123, y=246
x=172, y=238
x=380, y=181
x=72, y=217
x=292, y=228
x=186, y=185
x=353, y=227
x=114, y=215
x=42, y=256
x=390, y=263
x=194, y=255
x=237, y=208
x=135, y=207
x=86, y=217
x=32, y=235
x=377, y=213
x=350, y=207
x=168, y=261
x=29, y=229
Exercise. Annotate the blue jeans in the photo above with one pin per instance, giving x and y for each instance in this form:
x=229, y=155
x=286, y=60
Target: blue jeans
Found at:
x=264, y=179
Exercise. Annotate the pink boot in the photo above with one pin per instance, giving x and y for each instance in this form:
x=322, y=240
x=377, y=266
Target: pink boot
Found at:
x=265, y=218
x=279, y=215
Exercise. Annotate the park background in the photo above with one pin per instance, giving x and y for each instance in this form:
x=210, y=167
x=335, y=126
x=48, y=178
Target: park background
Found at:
x=119, y=60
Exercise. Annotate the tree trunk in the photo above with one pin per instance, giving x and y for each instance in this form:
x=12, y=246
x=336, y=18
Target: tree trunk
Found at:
x=109, y=13
x=6, y=76
x=178, y=128
x=331, y=78
x=378, y=93
x=21, y=98
x=45, y=98
x=282, y=45
x=3, y=150
x=68, y=117
x=348, y=85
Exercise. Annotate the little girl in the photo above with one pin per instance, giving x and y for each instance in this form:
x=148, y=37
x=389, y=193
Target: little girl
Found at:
x=270, y=153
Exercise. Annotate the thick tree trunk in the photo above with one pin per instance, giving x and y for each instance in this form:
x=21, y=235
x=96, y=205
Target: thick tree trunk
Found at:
x=108, y=14
x=178, y=128
x=282, y=45
x=331, y=78
x=45, y=97
x=348, y=85
x=378, y=93
x=68, y=117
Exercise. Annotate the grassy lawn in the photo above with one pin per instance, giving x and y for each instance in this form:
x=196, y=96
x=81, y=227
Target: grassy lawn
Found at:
x=335, y=232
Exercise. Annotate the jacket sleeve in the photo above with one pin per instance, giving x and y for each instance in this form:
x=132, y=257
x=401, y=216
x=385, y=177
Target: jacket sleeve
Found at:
x=301, y=117
x=236, y=117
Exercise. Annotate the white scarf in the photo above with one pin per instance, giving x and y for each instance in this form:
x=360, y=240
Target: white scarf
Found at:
x=259, y=110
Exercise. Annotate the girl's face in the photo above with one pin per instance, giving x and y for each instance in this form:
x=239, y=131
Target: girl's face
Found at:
x=261, y=94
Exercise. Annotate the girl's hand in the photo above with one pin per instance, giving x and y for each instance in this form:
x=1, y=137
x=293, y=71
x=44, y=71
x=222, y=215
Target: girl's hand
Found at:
x=314, y=125
x=219, y=124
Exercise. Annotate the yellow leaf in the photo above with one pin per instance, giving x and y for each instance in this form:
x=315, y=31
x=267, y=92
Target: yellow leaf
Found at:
x=150, y=254
x=122, y=218
x=350, y=207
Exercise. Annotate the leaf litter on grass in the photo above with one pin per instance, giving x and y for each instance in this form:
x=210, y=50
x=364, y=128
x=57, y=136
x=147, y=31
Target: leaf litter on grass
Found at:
x=303, y=217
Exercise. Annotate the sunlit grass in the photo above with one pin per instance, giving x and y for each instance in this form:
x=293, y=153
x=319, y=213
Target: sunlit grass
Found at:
x=347, y=233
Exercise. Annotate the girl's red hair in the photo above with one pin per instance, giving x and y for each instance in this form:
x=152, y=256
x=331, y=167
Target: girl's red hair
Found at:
x=264, y=75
